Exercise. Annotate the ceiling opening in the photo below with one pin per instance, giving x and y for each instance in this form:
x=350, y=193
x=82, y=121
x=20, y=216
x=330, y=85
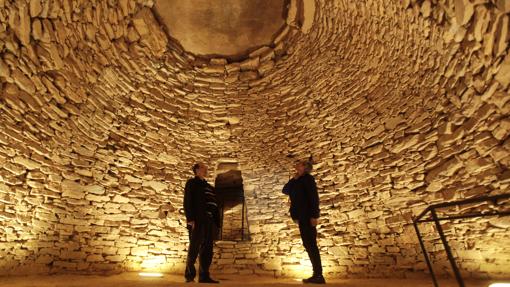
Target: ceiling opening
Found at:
x=226, y=28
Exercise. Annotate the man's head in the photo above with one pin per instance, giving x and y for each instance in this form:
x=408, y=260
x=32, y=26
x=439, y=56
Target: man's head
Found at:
x=200, y=169
x=303, y=167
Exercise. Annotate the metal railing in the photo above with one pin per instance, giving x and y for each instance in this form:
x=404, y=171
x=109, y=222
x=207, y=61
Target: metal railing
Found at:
x=494, y=199
x=241, y=199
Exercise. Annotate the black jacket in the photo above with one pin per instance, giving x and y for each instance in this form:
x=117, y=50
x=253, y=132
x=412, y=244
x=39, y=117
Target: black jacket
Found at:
x=304, y=199
x=200, y=201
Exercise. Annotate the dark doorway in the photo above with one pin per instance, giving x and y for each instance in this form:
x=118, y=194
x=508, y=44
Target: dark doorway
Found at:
x=230, y=194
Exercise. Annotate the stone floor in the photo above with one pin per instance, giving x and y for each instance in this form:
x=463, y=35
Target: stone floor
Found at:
x=134, y=280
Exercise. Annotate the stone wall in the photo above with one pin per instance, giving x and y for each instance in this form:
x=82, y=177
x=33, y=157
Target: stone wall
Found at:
x=401, y=103
x=232, y=227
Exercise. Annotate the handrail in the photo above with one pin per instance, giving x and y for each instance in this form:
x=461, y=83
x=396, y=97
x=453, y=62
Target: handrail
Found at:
x=432, y=209
x=464, y=202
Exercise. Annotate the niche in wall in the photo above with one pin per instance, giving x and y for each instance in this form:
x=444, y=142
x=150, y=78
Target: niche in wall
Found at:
x=231, y=201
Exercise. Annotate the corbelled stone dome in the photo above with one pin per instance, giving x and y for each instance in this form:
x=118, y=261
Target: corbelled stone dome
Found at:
x=224, y=28
x=105, y=105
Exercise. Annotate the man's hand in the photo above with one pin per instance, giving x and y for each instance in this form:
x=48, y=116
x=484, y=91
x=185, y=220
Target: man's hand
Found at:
x=314, y=221
x=192, y=224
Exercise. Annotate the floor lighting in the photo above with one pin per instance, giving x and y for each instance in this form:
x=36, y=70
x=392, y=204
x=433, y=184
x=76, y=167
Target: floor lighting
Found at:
x=150, y=274
x=500, y=285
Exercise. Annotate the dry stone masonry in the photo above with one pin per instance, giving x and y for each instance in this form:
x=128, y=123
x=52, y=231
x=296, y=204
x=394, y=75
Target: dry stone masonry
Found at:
x=401, y=103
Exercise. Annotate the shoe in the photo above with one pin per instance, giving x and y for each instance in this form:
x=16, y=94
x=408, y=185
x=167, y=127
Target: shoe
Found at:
x=316, y=279
x=208, y=280
x=189, y=280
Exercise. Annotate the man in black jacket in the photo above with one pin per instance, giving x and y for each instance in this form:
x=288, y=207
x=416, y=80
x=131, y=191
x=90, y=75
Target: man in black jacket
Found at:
x=202, y=214
x=304, y=209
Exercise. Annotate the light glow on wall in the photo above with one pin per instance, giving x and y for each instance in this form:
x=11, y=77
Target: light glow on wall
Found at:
x=152, y=263
x=500, y=285
x=301, y=270
x=150, y=274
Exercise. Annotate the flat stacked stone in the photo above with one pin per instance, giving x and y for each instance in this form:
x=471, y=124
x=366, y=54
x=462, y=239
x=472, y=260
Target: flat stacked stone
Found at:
x=401, y=103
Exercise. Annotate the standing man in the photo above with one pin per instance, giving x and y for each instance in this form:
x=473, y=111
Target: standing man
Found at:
x=202, y=218
x=304, y=209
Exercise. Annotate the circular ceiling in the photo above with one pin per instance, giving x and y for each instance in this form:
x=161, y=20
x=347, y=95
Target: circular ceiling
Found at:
x=222, y=27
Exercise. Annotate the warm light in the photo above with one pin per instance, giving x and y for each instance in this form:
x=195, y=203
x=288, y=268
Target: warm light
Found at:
x=153, y=263
x=500, y=285
x=150, y=274
x=300, y=271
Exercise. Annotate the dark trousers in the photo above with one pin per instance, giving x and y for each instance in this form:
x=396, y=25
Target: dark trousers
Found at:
x=309, y=237
x=200, y=243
